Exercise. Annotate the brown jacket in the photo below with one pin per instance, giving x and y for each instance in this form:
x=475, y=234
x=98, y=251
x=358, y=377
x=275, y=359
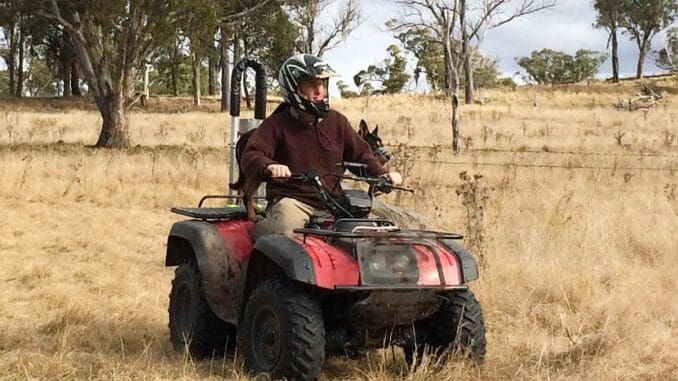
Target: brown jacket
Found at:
x=301, y=142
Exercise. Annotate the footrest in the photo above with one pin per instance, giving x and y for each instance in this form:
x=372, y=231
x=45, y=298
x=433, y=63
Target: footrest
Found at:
x=230, y=213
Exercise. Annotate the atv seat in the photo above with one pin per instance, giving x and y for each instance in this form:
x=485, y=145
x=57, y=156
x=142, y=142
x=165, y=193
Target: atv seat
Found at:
x=229, y=213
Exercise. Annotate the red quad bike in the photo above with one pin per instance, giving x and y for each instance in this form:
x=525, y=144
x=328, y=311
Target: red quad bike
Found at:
x=338, y=286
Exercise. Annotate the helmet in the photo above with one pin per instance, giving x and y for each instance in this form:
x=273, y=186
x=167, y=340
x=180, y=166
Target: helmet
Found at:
x=300, y=68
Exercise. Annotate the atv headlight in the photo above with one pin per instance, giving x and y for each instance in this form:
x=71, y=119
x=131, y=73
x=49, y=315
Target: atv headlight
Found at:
x=388, y=263
x=377, y=262
x=402, y=262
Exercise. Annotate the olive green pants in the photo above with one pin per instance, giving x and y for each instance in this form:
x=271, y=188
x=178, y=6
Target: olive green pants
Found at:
x=284, y=216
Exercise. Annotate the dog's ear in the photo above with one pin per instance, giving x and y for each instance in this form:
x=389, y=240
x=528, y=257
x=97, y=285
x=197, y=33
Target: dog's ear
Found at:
x=376, y=131
x=364, y=131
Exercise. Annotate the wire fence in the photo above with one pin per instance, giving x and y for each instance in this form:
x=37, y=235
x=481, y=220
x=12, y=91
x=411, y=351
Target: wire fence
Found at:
x=556, y=166
x=640, y=154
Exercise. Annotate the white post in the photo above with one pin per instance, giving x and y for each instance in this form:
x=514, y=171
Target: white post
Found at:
x=146, y=70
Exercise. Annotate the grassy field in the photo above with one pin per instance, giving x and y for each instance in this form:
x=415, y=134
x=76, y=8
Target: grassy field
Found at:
x=575, y=218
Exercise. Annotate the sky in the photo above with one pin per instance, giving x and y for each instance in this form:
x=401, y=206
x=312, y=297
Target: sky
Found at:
x=568, y=27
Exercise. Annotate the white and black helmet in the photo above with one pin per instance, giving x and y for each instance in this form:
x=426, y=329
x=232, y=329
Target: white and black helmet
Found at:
x=300, y=68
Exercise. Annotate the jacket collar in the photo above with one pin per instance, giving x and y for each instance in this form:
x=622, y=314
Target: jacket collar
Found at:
x=303, y=118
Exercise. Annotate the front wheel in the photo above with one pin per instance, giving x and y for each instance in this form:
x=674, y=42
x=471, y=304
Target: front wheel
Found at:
x=282, y=332
x=458, y=326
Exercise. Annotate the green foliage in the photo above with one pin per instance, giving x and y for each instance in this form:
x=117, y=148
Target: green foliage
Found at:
x=506, y=82
x=344, y=91
x=647, y=17
x=485, y=71
x=429, y=54
x=4, y=83
x=552, y=67
x=269, y=36
x=161, y=78
x=430, y=60
x=667, y=57
x=391, y=73
x=40, y=80
x=396, y=77
x=610, y=13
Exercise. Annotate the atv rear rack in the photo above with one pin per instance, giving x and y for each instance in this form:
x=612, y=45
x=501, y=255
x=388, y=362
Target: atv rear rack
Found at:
x=212, y=214
x=232, y=211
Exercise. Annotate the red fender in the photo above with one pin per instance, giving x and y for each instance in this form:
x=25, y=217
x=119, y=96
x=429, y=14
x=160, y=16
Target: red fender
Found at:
x=237, y=234
x=332, y=266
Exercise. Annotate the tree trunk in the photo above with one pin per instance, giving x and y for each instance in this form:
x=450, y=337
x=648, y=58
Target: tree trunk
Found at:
x=641, y=57
x=11, y=61
x=468, y=73
x=454, y=98
x=114, y=130
x=195, y=65
x=453, y=93
x=175, y=80
x=466, y=54
x=174, y=68
x=225, y=72
x=75, y=77
x=66, y=68
x=446, y=73
x=212, y=74
x=20, y=66
x=236, y=58
x=246, y=90
x=615, y=56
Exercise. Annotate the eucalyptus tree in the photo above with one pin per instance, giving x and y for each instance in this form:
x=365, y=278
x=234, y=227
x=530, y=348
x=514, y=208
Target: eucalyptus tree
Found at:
x=454, y=24
x=611, y=17
x=390, y=74
x=643, y=20
x=15, y=20
x=112, y=39
x=198, y=21
x=316, y=37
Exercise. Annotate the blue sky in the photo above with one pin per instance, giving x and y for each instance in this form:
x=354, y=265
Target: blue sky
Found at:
x=567, y=28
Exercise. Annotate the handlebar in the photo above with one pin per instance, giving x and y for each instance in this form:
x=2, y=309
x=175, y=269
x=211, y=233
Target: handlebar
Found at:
x=380, y=183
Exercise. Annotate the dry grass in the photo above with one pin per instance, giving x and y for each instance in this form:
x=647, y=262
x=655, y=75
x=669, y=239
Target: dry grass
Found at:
x=580, y=248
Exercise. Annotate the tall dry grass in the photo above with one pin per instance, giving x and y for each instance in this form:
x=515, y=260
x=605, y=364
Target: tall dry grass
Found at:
x=579, y=235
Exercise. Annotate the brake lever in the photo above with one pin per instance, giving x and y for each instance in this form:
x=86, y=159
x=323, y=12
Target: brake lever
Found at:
x=386, y=186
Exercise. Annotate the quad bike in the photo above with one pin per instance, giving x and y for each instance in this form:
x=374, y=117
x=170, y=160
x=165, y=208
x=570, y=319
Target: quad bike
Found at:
x=340, y=285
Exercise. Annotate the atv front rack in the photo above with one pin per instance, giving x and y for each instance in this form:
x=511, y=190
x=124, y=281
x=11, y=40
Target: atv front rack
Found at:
x=409, y=234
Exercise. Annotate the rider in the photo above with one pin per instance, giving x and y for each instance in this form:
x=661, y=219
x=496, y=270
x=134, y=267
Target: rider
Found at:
x=303, y=133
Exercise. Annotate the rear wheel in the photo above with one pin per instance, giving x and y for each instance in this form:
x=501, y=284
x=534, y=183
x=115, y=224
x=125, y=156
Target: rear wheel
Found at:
x=193, y=326
x=282, y=332
x=458, y=326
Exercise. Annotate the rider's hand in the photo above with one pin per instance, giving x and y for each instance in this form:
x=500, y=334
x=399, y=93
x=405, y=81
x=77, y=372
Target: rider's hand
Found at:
x=394, y=177
x=279, y=170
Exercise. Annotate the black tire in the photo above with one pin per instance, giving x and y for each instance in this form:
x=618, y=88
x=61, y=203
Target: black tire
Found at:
x=282, y=332
x=192, y=324
x=457, y=327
